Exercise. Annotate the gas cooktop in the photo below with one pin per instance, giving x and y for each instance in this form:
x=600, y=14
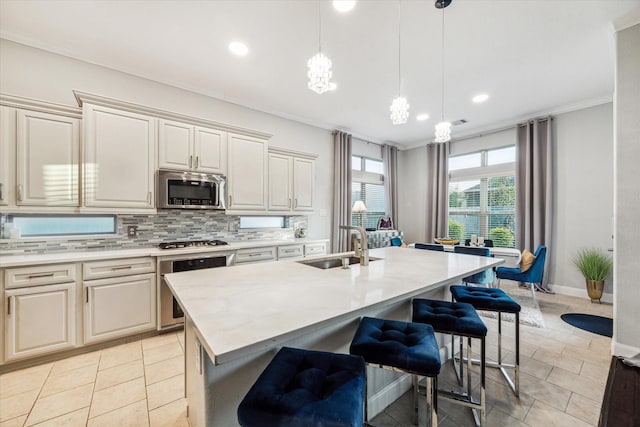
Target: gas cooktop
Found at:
x=191, y=243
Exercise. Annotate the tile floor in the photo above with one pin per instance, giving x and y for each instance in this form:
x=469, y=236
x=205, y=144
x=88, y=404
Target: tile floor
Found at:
x=563, y=376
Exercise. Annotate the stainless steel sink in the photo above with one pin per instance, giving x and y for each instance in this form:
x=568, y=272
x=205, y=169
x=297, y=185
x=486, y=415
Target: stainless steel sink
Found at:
x=333, y=262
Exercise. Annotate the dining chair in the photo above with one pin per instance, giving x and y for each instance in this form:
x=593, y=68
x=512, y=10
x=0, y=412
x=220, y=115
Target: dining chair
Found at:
x=488, y=243
x=486, y=277
x=430, y=246
x=532, y=276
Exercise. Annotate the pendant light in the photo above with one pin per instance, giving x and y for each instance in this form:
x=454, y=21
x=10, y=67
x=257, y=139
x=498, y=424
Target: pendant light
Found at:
x=319, y=65
x=399, y=106
x=443, y=129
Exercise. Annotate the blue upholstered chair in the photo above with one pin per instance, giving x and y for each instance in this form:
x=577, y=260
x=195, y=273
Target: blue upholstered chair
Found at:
x=402, y=346
x=457, y=319
x=494, y=299
x=533, y=276
x=486, y=277
x=305, y=388
x=430, y=246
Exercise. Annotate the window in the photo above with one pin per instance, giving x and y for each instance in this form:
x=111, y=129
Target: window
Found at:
x=63, y=225
x=367, y=184
x=262, y=222
x=482, y=196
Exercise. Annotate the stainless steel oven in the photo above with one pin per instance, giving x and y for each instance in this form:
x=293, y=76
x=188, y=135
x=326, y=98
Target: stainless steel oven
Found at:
x=171, y=313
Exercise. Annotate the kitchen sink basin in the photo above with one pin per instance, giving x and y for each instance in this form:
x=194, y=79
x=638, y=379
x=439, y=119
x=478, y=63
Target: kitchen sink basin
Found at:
x=333, y=262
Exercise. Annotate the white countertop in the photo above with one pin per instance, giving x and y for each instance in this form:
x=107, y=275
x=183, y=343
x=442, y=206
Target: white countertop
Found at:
x=241, y=309
x=91, y=255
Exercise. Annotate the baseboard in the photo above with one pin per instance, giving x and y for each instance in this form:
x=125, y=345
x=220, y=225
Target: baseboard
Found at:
x=389, y=394
x=623, y=350
x=578, y=292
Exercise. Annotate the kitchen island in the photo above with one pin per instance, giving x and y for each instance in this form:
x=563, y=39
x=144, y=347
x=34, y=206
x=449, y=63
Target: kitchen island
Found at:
x=237, y=318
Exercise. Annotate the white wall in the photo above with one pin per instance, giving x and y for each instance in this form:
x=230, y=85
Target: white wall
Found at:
x=37, y=74
x=626, y=332
x=583, y=191
x=412, y=194
x=583, y=185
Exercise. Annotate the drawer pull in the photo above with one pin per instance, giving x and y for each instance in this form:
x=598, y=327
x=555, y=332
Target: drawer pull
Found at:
x=9, y=306
x=126, y=267
x=256, y=254
x=37, y=276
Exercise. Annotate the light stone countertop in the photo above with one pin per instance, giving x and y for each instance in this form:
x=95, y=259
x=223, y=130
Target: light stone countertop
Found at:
x=245, y=308
x=102, y=254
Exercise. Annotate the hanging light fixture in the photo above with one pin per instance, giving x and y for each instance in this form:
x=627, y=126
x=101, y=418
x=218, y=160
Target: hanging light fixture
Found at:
x=443, y=129
x=319, y=65
x=399, y=106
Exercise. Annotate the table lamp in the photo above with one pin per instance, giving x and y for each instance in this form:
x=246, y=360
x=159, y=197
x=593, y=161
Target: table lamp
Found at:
x=360, y=208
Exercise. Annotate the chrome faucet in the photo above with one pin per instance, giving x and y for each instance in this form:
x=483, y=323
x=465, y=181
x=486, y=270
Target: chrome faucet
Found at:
x=362, y=250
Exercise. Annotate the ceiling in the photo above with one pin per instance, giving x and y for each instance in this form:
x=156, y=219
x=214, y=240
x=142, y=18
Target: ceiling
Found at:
x=531, y=56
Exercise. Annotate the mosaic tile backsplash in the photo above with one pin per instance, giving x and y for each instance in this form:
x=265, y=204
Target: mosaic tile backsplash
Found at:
x=165, y=226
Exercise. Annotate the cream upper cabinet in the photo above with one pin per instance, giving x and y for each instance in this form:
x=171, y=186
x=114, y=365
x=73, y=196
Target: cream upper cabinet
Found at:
x=291, y=181
x=303, y=178
x=48, y=160
x=119, y=153
x=183, y=146
x=7, y=163
x=247, y=178
x=280, y=182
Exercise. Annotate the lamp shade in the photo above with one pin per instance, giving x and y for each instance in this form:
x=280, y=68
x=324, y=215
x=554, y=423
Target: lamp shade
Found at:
x=359, y=206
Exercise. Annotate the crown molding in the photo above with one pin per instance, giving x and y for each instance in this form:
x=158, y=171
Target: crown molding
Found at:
x=41, y=106
x=82, y=97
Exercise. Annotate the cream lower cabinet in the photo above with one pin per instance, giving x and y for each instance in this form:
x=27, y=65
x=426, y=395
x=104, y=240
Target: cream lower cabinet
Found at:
x=119, y=306
x=39, y=319
x=7, y=166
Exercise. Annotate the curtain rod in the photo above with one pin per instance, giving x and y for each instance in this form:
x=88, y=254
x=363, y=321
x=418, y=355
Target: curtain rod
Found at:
x=490, y=132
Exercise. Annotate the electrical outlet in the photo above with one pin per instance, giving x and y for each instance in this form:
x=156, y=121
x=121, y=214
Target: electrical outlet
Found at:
x=132, y=231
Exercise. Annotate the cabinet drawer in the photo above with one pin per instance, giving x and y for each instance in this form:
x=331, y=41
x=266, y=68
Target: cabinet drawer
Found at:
x=256, y=254
x=39, y=275
x=315, y=249
x=290, y=251
x=117, y=267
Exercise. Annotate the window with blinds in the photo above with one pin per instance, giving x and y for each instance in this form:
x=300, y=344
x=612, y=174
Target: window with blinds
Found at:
x=482, y=196
x=367, y=185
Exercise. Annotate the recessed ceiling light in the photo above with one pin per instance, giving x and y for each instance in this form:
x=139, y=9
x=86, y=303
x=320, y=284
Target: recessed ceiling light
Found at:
x=344, y=5
x=422, y=117
x=480, y=98
x=332, y=86
x=238, y=48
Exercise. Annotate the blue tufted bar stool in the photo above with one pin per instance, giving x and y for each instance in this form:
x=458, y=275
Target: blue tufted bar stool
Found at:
x=305, y=388
x=403, y=347
x=461, y=319
x=495, y=299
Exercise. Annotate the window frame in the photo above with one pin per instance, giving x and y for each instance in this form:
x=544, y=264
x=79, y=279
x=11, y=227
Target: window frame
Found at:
x=482, y=174
x=364, y=177
x=10, y=218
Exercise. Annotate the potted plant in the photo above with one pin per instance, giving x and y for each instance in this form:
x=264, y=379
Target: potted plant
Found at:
x=595, y=266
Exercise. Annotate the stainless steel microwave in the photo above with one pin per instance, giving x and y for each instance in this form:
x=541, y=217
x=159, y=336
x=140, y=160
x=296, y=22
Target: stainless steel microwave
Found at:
x=190, y=190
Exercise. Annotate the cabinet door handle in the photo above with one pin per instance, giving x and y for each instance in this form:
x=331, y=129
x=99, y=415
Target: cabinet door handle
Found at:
x=1, y=187
x=289, y=205
x=230, y=200
x=295, y=202
x=190, y=161
x=8, y=306
x=36, y=276
x=149, y=197
x=87, y=295
x=19, y=192
x=197, y=161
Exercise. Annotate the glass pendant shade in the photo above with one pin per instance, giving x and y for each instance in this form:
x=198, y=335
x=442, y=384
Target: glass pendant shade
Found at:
x=319, y=73
x=443, y=132
x=399, y=110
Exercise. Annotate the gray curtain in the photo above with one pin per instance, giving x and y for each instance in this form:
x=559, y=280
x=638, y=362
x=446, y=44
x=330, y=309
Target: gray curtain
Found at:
x=390, y=161
x=437, y=191
x=534, y=179
x=341, y=190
